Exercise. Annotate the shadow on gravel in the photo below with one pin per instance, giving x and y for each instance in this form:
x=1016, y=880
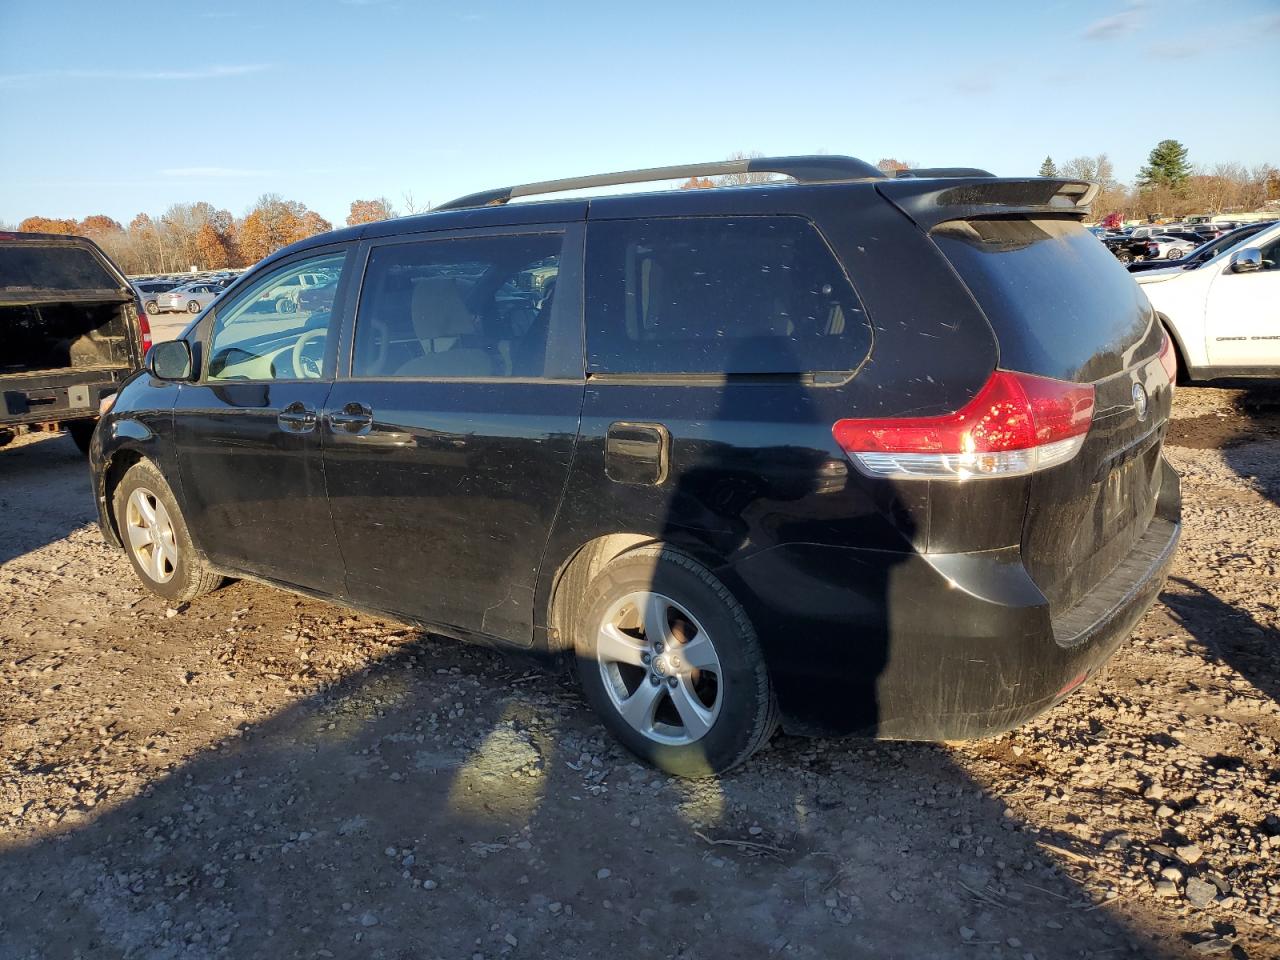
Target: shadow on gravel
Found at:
x=46, y=482
x=1233, y=636
x=423, y=809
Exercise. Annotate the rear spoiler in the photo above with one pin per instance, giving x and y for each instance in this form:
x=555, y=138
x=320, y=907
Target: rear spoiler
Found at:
x=930, y=202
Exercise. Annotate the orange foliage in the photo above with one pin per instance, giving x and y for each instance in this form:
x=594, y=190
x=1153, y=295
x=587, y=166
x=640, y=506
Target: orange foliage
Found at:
x=369, y=211
x=47, y=225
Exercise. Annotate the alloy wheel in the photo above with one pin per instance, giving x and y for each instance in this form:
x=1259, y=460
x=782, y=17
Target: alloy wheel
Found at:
x=660, y=668
x=150, y=532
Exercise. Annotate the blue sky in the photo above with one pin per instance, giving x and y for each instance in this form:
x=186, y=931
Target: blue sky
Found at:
x=123, y=107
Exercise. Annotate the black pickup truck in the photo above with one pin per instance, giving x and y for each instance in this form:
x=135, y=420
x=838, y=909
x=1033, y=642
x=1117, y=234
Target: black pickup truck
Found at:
x=71, y=331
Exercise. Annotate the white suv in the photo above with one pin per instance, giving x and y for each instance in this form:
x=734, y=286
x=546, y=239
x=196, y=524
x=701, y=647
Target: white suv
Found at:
x=1223, y=314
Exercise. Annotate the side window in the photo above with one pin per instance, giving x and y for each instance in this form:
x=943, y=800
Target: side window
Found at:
x=470, y=307
x=1271, y=255
x=719, y=295
x=275, y=329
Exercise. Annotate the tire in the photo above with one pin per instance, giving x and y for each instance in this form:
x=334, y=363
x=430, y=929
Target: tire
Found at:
x=193, y=307
x=152, y=307
x=738, y=711
x=82, y=433
x=285, y=305
x=6, y=437
x=184, y=575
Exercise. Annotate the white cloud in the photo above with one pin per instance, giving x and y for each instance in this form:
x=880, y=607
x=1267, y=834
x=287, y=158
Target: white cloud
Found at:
x=214, y=72
x=1118, y=24
x=212, y=172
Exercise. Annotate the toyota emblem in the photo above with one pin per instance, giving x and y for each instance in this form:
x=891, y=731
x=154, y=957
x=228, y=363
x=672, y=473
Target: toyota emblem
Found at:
x=1140, y=402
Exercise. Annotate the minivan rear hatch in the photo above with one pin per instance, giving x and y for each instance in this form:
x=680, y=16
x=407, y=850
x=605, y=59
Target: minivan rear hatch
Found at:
x=1061, y=306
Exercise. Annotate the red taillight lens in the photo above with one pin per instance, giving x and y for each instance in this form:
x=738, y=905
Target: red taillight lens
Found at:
x=1016, y=424
x=1169, y=359
x=144, y=327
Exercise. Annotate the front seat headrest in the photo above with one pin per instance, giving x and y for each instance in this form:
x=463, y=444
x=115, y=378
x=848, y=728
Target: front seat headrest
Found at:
x=439, y=309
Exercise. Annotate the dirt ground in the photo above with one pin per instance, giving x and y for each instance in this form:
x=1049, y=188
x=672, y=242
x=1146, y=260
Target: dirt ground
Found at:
x=259, y=775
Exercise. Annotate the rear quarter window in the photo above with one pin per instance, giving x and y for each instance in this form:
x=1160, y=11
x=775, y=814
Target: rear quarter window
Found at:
x=719, y=295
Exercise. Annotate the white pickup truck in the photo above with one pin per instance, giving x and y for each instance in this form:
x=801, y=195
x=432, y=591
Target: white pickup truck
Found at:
x=1223, y=314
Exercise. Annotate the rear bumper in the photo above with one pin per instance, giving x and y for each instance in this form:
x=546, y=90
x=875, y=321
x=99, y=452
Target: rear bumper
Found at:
x=937, y=646
x=56, y=396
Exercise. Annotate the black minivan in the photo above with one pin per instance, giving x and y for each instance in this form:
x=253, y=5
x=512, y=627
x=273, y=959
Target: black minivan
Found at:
x=846, y=452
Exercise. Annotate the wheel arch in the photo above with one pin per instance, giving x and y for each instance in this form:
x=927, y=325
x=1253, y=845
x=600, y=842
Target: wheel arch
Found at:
x=1179, y=350
x=581, y=566
x=121, y=462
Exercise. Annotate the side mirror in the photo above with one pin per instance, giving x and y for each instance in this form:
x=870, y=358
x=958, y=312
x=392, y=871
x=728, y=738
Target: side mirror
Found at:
x=170, y=360
x=1248, y=260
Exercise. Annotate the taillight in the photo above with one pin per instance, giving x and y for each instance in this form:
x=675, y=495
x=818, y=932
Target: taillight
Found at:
x=144, y=327
x=1016, y=424
x=1169, y=359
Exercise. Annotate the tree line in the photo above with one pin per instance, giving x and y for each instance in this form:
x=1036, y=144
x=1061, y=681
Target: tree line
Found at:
x=200, y=235
x=1169, y=185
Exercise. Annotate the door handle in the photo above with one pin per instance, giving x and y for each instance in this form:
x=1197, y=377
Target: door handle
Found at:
x=354, y=418
x=297, y=417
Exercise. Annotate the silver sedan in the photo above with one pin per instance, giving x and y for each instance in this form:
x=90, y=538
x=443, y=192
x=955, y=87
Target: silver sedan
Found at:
x=191, y=297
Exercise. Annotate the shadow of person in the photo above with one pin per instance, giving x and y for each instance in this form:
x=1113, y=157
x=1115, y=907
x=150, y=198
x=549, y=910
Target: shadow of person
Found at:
x=1233, y=636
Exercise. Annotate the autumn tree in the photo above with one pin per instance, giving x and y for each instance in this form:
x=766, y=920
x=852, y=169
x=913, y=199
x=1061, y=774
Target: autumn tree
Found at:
x=1167, y=166
x=309, y=224
x=1048, y=168
x=892, y=165
x=99, y=225
x=370, y=211
x=48, y=225
x=697, y=183
x=212, y=248
x=274, y=223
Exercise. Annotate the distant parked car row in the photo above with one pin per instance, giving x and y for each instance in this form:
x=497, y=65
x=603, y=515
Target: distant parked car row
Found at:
x=177, y=294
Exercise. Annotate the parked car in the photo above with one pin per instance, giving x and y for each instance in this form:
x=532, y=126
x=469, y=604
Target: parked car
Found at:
x=1201, y=254
x=1126, y=248
x=149, y=290
x=1167, y=247
x=656, y=434
x=191, y=297
x=1223, y=315
x=283, y=297
x=72, y=333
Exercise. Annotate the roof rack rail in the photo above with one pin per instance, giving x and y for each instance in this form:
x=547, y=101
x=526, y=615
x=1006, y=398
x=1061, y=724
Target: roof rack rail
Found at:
x=814, y=169
x=923, y=173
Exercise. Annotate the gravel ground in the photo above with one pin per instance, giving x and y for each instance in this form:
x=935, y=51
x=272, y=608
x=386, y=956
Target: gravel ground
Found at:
x=259, y=775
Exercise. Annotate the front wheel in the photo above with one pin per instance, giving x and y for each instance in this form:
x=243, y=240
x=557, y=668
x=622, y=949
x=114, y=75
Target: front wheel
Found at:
x=193, y=307
x=670, y=661
x=155, y=537
x=152, y=307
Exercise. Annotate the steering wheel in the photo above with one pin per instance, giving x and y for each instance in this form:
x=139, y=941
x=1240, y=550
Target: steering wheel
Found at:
x=308, y=368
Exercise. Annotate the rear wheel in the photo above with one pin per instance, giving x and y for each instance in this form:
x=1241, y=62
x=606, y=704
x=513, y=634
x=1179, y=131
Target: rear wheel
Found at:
x=155, y=537
x=669, y=660
x=82, y=433
x=193, y=307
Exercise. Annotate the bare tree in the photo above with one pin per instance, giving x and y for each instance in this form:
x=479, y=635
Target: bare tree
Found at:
x=741, y=179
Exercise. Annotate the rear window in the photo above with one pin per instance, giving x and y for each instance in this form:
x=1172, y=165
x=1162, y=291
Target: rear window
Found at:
x=34, y=266
x=1056, y=297
x=706, y=295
